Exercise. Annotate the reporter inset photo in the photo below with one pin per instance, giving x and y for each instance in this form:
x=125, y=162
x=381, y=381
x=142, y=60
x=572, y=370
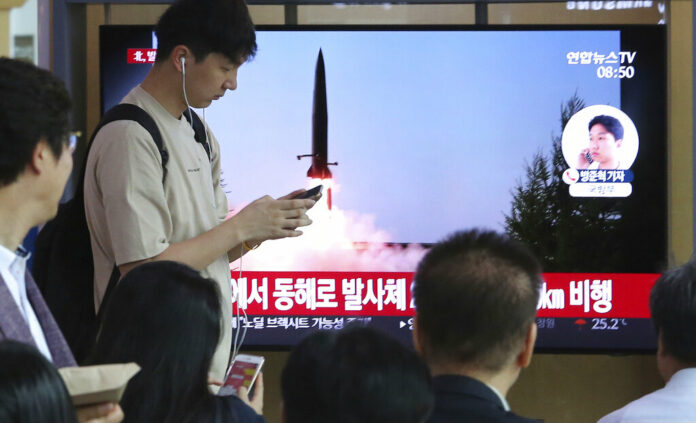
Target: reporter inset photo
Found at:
x=600, y=137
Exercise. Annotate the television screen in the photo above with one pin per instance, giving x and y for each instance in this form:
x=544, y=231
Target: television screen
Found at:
x=554, y=135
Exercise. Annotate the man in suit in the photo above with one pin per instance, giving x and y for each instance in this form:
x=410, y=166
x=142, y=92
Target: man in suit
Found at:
x=673, y=311
x=35, y=163
x=476, y=295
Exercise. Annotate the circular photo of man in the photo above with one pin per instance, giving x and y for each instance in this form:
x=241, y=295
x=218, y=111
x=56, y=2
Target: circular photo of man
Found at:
x=600, y=137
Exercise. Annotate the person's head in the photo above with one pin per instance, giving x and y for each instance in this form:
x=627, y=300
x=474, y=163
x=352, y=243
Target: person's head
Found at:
x=165, y=317
x=31, y=390
x=476, y=295
x=606, y=136
x=355, y=375
x=34, y=107
x=673, y=310
x=214, y=37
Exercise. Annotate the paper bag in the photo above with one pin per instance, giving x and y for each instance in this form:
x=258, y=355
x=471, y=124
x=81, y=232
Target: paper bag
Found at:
x=97, y=384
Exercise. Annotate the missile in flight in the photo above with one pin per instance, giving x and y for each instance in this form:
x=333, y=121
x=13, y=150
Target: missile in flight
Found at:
x=320, y=165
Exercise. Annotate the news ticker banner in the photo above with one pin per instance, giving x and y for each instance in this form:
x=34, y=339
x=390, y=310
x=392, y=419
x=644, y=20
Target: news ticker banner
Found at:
x=142, y=55
x=382, y=294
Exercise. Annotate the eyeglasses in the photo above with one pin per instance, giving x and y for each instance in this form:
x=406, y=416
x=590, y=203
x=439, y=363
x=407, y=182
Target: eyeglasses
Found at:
x=73, y=138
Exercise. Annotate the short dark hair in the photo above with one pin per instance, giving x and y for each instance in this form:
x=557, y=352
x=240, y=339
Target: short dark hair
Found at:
x=34, y=106
x=610, y=123
x=357, y=374
x=31, y=390
x=207, y=26
x=673, y=309
x=165, y=317
x=476, y=295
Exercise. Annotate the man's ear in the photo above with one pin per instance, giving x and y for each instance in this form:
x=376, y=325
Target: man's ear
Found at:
x=619, y=142
x=525, y=356
x=178, y=52
x=40, y=157
x=660, y=345
x=417, y=335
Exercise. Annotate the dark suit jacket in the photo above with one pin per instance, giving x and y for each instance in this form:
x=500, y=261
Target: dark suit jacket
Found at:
x=461, y=399
x=13, y=326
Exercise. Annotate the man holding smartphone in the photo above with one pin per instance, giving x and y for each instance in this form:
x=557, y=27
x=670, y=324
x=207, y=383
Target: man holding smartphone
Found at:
x=606, y=138
x=135, y=214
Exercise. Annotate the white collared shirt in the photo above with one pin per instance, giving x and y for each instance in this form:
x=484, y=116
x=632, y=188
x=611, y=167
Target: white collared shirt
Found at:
x=506, y=406
x=12, y=268
x=675, y=403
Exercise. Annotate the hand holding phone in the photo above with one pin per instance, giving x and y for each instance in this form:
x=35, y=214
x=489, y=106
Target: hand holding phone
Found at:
x=309, y=193
x=242, y=372
x=588, y=157
x=256, y=399
x=584, y=159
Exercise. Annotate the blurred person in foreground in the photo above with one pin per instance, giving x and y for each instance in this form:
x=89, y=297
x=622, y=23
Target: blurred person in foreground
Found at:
x=356, y=375
x=167, y=318
x=673, y=310
x=476, y=294
x=31, y=390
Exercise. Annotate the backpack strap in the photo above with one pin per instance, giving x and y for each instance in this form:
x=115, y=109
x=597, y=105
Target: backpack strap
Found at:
x=199, y=130
x=125, y=111
x=113, y=281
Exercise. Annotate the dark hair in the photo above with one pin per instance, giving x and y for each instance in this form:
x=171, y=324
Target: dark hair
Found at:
x=355, y=375
x=34, y=106
x=476, y=295
x=31, y=390
x=673, y=309
x=610, y=123
x=166, y=317
x=207, y=26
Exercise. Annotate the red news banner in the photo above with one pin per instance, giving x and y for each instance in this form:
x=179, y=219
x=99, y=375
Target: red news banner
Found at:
x=622, y=295
x=141, y=55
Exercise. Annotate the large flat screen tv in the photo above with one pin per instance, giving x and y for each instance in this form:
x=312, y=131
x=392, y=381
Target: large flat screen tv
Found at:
x=555, y=135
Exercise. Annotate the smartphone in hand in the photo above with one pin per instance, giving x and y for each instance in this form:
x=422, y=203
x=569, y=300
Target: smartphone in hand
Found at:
x=242, y=372
x=309, y=193
x=588, y=157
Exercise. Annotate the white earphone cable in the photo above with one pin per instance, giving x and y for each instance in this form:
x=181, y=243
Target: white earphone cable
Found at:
x=183, y=77
x=237, y=344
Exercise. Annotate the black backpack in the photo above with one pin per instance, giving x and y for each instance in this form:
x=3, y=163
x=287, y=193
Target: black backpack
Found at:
x=63, y=264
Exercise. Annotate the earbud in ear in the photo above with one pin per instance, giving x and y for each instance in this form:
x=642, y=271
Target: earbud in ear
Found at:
x=183, y=61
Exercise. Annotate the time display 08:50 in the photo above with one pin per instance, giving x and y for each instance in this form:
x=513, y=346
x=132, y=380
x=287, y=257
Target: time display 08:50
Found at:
x=621, y=72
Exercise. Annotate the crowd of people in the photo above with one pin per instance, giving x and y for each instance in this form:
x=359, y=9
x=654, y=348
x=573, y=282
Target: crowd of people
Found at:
x=161, y=229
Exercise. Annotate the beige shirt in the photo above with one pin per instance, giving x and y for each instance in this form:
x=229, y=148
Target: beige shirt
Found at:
x=133, y=216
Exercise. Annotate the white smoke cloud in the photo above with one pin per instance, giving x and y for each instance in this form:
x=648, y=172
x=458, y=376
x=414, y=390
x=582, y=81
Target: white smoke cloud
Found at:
x=337, y=240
